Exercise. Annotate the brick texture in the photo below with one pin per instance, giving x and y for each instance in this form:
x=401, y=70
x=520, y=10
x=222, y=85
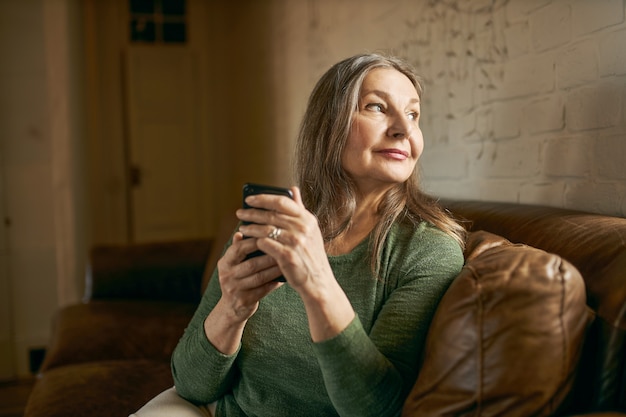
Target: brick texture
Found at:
x=525, y=100
x=535, y=108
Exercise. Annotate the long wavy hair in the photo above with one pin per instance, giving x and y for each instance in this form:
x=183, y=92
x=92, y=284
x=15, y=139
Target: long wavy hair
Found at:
x=327, y=190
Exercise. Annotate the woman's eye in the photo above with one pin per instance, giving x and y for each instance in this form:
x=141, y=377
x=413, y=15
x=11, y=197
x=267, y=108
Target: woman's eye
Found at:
x=375, y=107
x=413, y=115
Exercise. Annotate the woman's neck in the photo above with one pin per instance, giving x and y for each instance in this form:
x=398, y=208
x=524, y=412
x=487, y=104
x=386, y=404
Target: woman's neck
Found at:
x=361, y=224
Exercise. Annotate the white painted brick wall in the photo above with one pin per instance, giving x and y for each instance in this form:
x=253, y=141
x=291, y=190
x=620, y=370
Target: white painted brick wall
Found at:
x=511, y=159
x=577, y=64
x=544, y=192
x=567, y=157
x=594, y=106
x=551, y=26
x=525, y=100
x=613, y=54
x=589, y=16
x=528, y=75
x=549, y=114
x=545, y=114
x=519, y=9
x=517, y=39
x=610, y=152
x=507, y=118
x=593, y=196
x=443, y=166
x=495, y=190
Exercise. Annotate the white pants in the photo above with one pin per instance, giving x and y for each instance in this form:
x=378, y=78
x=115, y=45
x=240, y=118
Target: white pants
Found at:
x=170, y=404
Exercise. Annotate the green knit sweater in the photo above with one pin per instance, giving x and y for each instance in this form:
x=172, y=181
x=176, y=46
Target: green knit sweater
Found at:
x=367, y=370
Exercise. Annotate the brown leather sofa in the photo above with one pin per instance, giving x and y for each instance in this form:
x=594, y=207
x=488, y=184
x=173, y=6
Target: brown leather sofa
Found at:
x=109, y=355
x=534, y=325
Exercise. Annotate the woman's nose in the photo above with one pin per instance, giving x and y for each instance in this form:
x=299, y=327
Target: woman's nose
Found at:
x=400, y=127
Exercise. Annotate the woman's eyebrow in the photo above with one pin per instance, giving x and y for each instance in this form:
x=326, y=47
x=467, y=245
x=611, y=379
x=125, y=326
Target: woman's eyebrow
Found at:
x=384, y=95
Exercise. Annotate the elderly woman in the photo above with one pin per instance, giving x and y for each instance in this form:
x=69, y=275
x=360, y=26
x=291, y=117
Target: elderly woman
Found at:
x=366, y=256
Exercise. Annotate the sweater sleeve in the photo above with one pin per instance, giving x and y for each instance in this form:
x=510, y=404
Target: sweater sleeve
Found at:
x=359, y=379
x=201, y=373
x=371, y=373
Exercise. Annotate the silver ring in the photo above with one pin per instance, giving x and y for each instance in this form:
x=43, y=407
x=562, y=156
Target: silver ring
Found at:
x=275, y=233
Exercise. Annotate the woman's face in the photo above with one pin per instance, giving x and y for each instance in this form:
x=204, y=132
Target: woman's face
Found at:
x=385, y=140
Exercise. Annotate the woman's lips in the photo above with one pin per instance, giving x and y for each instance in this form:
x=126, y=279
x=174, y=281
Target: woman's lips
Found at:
x=394, y=153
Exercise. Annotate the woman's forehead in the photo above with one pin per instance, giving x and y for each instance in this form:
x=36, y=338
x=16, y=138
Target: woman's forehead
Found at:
x=388, y=81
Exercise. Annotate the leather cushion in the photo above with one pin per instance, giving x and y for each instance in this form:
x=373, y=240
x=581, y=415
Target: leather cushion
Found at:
x=106, y=330
x=506, y=337
x=107, y=388
x=163, y=271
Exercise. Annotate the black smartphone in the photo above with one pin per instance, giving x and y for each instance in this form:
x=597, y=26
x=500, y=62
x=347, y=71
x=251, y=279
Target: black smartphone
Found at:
x=253, y=189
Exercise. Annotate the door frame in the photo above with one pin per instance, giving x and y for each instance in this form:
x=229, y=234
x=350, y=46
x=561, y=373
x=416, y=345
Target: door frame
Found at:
x=106, y=39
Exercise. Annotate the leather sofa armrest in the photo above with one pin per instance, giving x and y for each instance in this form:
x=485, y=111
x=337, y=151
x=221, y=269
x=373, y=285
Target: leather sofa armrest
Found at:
x=507, y=336
x=159, y=271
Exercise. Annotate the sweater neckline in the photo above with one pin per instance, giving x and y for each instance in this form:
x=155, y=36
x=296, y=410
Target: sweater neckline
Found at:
x=356, y=251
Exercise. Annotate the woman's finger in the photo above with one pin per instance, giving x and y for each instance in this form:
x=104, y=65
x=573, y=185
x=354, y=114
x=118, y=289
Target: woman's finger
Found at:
x=297, y=196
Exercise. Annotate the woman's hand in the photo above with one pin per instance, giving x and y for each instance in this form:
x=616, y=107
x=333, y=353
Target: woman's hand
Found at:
x=243, y=283
x=298, y=249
